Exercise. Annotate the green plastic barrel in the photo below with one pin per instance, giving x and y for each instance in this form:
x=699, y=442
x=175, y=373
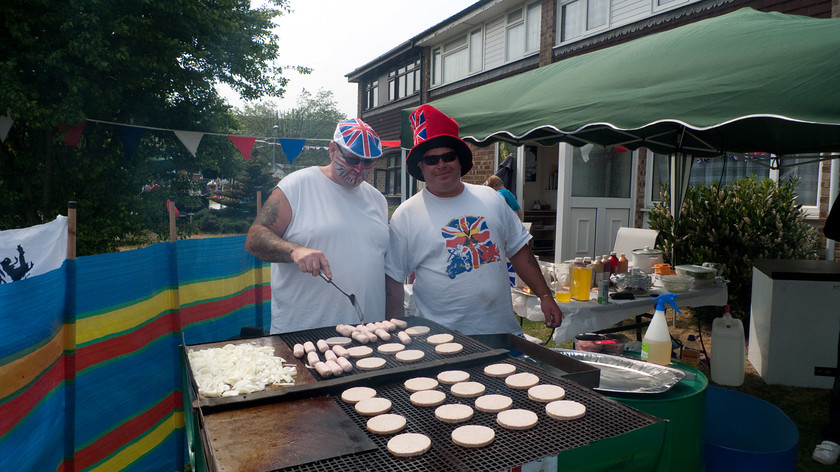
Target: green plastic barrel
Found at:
x=684, y=406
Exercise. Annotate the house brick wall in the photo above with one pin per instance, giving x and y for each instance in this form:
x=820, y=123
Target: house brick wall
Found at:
x=548, y=31
x=483, y=158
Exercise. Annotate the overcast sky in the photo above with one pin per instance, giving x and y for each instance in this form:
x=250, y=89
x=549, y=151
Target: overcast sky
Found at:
x=336, y=37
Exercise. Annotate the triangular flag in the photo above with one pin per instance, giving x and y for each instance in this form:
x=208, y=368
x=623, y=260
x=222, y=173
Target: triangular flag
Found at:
x=130, y=136
x=73, y=134
x=292, y=147
x=5, y=125
x=244, y=144
x=190, y=139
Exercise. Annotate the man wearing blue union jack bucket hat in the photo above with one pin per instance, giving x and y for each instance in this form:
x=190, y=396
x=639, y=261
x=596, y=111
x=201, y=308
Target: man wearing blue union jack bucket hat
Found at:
x=326, y=219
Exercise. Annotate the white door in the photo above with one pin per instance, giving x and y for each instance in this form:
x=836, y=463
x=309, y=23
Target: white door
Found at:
x=595, y=200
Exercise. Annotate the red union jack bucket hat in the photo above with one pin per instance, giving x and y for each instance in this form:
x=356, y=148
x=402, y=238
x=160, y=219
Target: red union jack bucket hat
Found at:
x=359, y=138
x=432, y=129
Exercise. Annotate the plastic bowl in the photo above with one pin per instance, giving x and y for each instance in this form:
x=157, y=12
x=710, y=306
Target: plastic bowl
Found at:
x=677, y=283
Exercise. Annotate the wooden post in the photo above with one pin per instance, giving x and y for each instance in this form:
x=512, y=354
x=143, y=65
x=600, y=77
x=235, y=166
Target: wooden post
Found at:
x=258, y=274
x=71, y=230
x=173, y=230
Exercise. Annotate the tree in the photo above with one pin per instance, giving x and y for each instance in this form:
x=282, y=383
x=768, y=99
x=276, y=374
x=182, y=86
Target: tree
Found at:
x=314, y=118
x=152, y=63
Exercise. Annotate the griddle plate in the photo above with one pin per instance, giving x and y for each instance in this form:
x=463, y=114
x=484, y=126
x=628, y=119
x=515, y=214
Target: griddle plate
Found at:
x=471, y=346
x=604, y=418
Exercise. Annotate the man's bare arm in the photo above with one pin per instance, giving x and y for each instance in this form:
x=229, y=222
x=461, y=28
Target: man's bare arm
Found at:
x=394, y=298
x=265, y=238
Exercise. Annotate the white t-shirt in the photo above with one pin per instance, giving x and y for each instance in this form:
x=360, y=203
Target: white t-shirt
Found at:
x=350, y=226
x=458, y=247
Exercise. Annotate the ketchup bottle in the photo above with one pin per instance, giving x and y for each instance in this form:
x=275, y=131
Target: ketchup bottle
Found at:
x=613, y=263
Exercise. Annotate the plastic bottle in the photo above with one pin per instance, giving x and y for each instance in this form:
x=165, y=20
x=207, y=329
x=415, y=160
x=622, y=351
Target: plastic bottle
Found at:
x=691, y=352
x=613, y=263
x=597, y=271
x=623, y=264
x=581, y=280
x=587, y=261
x=656, y=343
x=727, y=360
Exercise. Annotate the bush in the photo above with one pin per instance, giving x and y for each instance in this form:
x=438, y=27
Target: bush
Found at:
x=734, y=225
x=225, y=221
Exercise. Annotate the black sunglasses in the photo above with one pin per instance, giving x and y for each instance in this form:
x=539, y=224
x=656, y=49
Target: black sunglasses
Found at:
x=354, y=161
x=433, y=160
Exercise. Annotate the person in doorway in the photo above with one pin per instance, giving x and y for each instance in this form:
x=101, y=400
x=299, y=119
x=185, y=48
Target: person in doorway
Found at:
x=326, y=219
x=455, y=238
x=828, y=451
x=496, y=184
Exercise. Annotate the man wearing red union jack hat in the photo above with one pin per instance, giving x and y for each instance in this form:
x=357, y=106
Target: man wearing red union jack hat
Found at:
x=326, y=219
x=455, y=237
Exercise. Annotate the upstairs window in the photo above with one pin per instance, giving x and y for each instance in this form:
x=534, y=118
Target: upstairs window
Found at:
x=458, y=57
x=371, y=94
x=580, y=17
x=522, y=33
x=404, y=81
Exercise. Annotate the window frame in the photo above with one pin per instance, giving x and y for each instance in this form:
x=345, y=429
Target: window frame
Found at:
x=810, y=211
x=399, y=78
x=586, y=31
x=440, y=53
x=526, y=21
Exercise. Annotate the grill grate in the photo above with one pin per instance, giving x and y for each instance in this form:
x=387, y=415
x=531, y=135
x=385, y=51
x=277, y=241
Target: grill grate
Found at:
x=471, y=346
x=604, y=418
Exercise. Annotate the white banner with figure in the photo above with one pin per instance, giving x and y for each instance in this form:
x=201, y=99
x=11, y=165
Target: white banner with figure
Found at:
x=32, y=251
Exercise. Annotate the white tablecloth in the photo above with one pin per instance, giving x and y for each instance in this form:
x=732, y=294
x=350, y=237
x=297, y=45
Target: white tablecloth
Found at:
x=585, y=317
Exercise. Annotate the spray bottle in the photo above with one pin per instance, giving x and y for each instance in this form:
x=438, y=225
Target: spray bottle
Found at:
x=656, y=343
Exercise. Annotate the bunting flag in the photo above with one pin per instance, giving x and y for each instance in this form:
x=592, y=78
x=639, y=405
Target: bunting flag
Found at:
x=190, y=139
x=130, y=136
x=390, y=143
x=244, y=144
x=5, y=125
x=73, y=134
x=292, y=147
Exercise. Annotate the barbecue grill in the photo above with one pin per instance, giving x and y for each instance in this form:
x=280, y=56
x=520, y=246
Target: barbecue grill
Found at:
x=307, y=427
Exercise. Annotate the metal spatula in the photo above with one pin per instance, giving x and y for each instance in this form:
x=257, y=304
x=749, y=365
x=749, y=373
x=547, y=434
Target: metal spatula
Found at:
x=351, y=296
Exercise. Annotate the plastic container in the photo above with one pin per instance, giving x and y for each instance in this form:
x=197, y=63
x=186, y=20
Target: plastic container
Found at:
x=623, y=264
x=581, y=280
x=675, y=283
x=597, y=271
x=656, y=343
x=747, y=433
x=727, y=359
x=602, y=343
x=613, y=263
x=562, y=286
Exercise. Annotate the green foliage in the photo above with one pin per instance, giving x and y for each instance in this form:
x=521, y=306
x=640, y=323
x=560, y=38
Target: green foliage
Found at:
x=152, y=63
x=735, y=225
x=314, y=117
x=225, y=221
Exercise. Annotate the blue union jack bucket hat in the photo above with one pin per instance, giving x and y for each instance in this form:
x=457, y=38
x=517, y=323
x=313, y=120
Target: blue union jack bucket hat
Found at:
x=431, y=129
x=357, y=137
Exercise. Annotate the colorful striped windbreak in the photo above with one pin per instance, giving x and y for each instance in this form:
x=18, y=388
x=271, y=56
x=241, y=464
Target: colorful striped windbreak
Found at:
x=90, y=364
